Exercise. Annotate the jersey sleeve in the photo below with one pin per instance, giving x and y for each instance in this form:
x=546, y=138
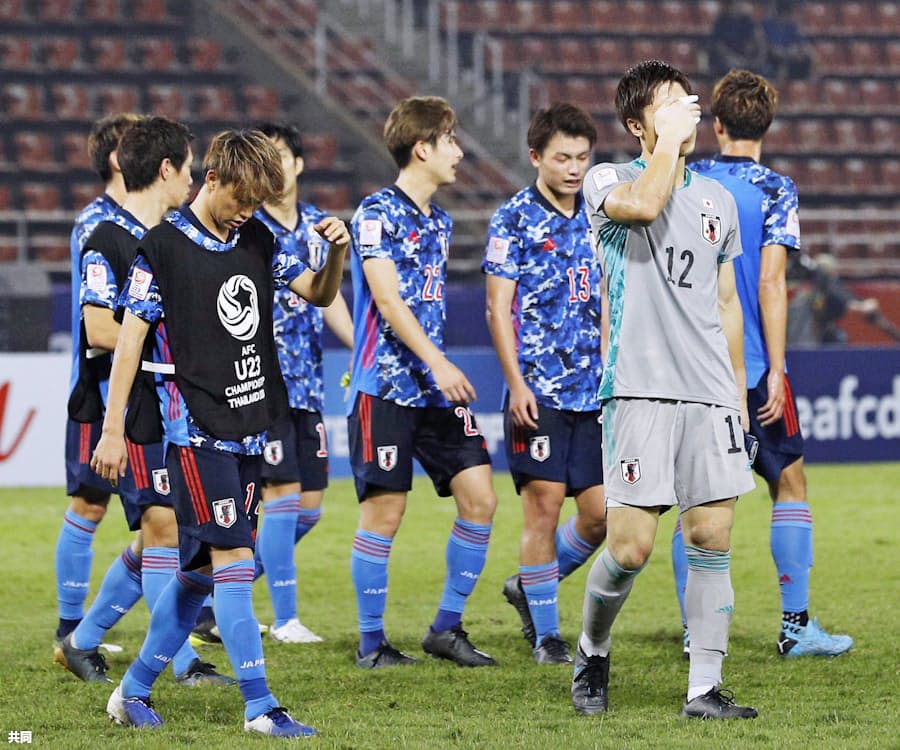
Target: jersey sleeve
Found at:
x=98, y=282
x=503, y=248
x=140, y=295
x=731, y=243
x=782, y=225
x=286, y=265
x=599, y=182
x=373, y=235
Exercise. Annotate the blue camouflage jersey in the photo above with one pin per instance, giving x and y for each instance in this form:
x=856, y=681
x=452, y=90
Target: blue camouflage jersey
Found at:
x=298, y=324
x=178, y=426
x=99, y=285
x=102, y=207
x=556, y=311
x=388, y=224
x=767, y=212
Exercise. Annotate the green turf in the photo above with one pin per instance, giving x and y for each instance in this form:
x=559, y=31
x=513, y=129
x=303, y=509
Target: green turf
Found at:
x=848, y=702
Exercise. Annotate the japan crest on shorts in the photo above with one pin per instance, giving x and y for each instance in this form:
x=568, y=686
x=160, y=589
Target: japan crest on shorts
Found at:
x=161, y=481
x=539, y=447
x=387, y=457
x=711, y=228
x=225, y=512
x=274, y=452
x=631, y=470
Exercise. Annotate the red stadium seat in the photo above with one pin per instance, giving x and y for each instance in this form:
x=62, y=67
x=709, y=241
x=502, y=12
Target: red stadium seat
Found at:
x=157, y=54
x=82, y=193
x=885, y=133
x=9, y=247
x=319, y=151
x=50, y=248
x=213, y=102
x=22, y=101
x=56, y=10
x=856, y=17
x=331, y=197
x=566, y=15
x=602, y=15
x=824, y=177
x=41, y=196
x=797, y=95
x=890, y=174
x=528, y=16
x=113, y=98
x=260, y=103
x=204, y=53
x=877, y=94
x=16, y=53
x=12, y=10
x=608, y=54
x=61, y=53
x=34, y=151
x=867, y=55
x=817, y=18
x=109, y=53
x=851, y=134
x=107, y=11
x=71, y=101
x=840, y=94
x=811, y=134
x=75, y=151
x=831, y=56
x=573, y=54
x=167, y=100
x=155, y=11
x=860, y=175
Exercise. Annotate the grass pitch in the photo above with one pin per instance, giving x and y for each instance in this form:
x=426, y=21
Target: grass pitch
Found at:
x=848, y=702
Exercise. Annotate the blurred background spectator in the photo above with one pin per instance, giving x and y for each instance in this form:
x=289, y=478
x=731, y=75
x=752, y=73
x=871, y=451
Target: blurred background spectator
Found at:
x=737, y=41
x=790, y=53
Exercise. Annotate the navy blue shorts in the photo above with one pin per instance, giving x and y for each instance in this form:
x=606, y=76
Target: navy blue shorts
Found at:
x=146, y=482
x=81, y=480
x=297, y=451
x=781, y=443
x=567, y=447
x=385, y=437
x=216, y=499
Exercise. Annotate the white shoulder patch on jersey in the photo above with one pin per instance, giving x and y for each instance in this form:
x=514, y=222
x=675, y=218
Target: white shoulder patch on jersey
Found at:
x=497, y=250
x=96, y=277
x=370, y=232
x=140, y=284
x=604, y=177
x=793, y=223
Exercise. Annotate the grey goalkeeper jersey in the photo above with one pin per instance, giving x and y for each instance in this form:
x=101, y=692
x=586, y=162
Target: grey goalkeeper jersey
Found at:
x=666, y=339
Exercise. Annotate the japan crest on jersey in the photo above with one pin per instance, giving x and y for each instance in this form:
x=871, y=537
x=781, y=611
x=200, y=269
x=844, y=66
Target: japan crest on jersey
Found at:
x=631, y=470
x=161, y=481
x=274, y=452
x=539, y=447
x=225, y=512
x=711, y=228
x=387, y=457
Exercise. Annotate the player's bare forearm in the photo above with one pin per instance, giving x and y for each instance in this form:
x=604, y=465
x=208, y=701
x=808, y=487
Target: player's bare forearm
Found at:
x=100, y=327
x=773, y=303
x=127, y=359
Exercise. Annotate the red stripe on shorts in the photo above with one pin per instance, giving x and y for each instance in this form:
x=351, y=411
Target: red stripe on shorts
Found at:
x=84, y=443
x=138, y=464
x=791, y=423
x=365, y=426
x=194, y=486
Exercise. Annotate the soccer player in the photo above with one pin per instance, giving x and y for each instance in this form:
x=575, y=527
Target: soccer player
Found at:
x=154, y=156
x=407, y=399
x=295, y=472
x=744, y=104
x=203, y=281
x=89, y=494
x=673, y=386
x=543, y=310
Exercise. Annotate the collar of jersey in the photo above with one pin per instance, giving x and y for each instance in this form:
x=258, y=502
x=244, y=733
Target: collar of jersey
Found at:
x=189, y=229
x=275, y=226
x=542, y=200
x=687, y=172
x=126, y=220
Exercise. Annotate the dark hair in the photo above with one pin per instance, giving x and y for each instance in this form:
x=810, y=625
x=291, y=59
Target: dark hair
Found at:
x=418, y=118
x=146, y=144
x=290, y=134
x=639, y=84
x=104, y=139
x=745, y=104
x=560, y=117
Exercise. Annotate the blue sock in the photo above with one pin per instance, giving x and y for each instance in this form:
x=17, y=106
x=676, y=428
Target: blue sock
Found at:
x=306, y=519
x=73, y=565
x=275, y=548
x=369, y=571
x=680, y=568
x=541, y=586
x=171, y=620
x=466, y=553
x=119, y=592
x=792, y=549
x=160, y=564
x=239, y=628
x=572, y=551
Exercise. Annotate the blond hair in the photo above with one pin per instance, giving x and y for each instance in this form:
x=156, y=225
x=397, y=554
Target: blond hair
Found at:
x=418, y=118
x=248, y=161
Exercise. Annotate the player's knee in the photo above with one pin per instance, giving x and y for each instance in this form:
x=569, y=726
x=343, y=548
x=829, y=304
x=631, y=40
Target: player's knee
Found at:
x=631, y=554
x=709, y=534
x=159, y=527
x=90, y=504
